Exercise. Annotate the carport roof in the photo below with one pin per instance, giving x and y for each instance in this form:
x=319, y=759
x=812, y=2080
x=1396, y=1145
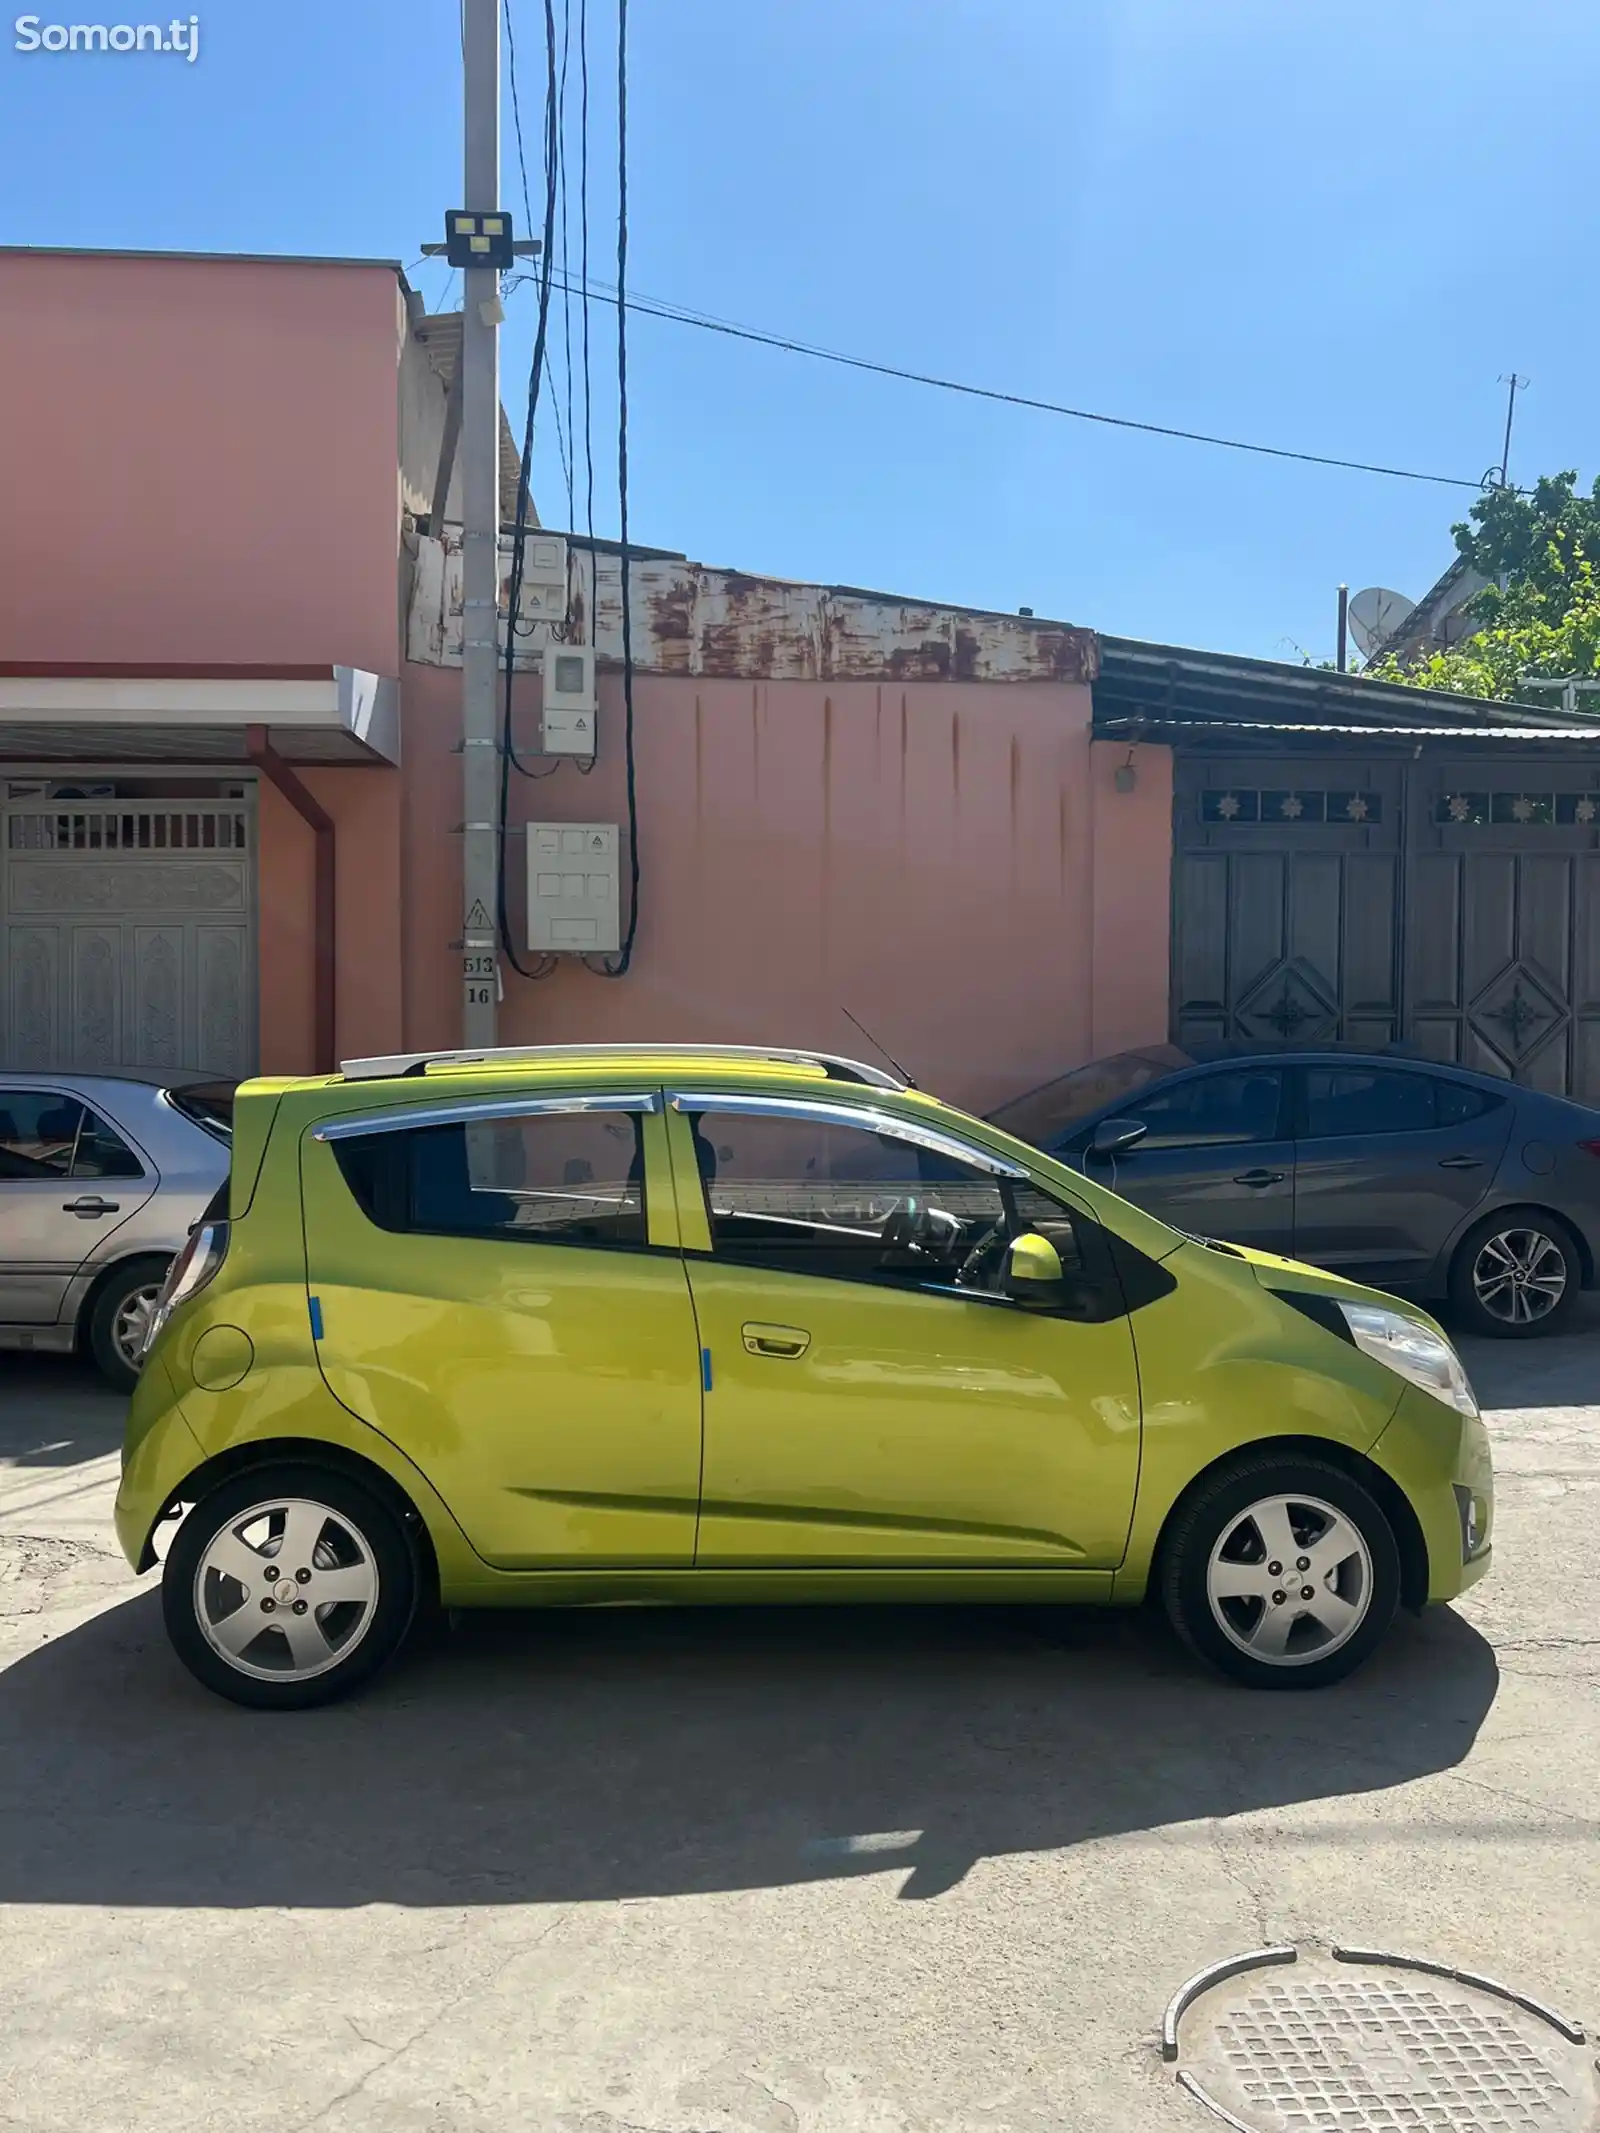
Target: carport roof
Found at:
x=1175, y=693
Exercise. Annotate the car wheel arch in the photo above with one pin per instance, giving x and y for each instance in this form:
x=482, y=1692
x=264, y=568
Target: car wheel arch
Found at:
x=307, y=1451
x=1510, y=1210
x=1392, y=1499
x=104, y=1276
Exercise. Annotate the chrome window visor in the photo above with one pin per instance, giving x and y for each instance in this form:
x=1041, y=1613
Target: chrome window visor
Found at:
x=862, y=1115
x=404, y=1118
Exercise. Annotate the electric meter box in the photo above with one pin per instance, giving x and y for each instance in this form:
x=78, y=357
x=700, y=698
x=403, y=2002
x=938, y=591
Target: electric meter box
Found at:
x=543, y=593
x=574, y=902
x=568, y=718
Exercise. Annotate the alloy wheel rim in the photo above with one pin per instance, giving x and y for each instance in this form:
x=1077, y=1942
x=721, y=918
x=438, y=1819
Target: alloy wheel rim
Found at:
x=286, y=1590
x=1519, y=1275
x=132, y=1323
x=1289, y=1580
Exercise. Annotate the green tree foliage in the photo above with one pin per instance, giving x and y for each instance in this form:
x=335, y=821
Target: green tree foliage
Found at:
x=1545, y=618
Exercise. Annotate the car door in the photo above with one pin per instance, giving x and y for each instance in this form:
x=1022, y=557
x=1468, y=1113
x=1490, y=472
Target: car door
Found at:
x=68, y=1182
x=1389, y=1160
x=1215, y=1159
x=496, y=1285
x=863, y=1407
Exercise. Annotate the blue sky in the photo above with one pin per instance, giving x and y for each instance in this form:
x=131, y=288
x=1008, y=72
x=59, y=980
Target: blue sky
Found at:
x=1332, y=230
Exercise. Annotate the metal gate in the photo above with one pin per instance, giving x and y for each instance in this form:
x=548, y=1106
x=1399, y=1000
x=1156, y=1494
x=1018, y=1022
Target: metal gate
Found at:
x=1453, y=904
x=128, y=935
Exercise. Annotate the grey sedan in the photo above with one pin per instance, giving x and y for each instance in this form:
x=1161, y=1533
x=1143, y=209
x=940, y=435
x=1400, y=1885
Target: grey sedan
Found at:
x=1413, y=1176
x=100, y=1182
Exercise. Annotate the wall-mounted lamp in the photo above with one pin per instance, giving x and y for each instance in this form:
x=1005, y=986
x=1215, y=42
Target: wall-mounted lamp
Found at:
x=1125, y=777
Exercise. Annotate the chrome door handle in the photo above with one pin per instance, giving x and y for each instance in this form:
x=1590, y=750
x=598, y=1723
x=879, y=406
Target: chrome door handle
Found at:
x=788, y=1341
x=1460, y=1162
x=1258, y=1178
x=89, y=1205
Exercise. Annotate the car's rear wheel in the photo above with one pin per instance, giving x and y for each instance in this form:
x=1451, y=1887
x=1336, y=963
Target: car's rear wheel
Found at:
x=288, y=1586
x=1281, y=1571
x=1516, y=1275
x=121, y=1318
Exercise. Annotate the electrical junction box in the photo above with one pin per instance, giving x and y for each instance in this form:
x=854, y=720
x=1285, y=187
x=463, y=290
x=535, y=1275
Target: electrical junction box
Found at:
x=568, y=719
x=543, y=595
x=574, y=900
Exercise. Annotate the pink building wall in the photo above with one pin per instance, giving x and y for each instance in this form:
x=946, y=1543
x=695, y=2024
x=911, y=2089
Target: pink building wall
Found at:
x=202, y=462
x=950, y=860
x=207, y=475
x=369, y=868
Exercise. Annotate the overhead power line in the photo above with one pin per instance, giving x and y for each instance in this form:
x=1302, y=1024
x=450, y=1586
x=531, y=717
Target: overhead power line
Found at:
x=681, y=315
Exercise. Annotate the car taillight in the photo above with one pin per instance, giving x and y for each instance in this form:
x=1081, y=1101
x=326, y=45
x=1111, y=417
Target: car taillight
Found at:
x=1590, y=1147
x=188, y=1274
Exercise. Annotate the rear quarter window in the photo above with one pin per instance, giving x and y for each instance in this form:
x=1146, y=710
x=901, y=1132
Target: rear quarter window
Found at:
x=551, y=1178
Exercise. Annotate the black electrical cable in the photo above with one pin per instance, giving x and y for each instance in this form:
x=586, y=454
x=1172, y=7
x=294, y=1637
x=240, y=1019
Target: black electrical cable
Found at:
x=618, y=967
x=569, y=455
x=508, y=754
x=519, y=533
x=681, y=315
x=583, y=242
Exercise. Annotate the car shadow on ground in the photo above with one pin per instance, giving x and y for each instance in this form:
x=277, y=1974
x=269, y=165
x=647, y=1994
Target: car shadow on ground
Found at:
x=1553, y=1370
x=582, y=1756
x=57, y=1410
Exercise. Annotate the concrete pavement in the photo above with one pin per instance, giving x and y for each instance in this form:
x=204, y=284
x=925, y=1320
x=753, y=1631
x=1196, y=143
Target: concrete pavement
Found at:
x=861, y=1871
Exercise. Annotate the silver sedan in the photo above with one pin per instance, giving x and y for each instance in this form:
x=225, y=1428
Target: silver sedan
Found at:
x=101, y=1180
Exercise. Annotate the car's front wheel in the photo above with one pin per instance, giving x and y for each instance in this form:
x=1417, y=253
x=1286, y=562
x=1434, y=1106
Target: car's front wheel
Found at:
x=1281, y=1571
x=288, y=1586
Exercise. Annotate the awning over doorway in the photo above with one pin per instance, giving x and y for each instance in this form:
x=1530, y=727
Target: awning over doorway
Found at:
x=151, y=714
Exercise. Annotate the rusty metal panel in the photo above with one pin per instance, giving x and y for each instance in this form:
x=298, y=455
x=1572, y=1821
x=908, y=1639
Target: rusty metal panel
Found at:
x=724, y=625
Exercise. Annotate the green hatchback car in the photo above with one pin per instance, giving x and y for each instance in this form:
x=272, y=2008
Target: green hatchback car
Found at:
x=667, y=1323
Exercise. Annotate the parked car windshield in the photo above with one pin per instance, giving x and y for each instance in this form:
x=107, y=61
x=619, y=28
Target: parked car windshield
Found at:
x=208, y=1103
x=1044, y=1114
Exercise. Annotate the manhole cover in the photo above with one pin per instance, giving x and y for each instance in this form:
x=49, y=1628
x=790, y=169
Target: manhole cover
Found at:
x=1356, y=2042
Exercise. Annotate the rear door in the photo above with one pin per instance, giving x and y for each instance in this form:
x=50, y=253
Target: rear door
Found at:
x=497, y=1286
x=68, y=1182
x=1389, y=1161
x=1216, y=1159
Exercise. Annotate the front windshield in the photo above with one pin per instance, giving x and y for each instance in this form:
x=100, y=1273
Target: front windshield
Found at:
x=1042, y=1115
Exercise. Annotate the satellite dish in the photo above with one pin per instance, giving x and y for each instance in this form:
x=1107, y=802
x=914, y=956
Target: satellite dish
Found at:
x=1376, y=613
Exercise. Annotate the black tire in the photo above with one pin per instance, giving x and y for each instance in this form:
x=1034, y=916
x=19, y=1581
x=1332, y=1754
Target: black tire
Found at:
x=139, y=1278
x=1515, y=1223
x=349, y=1508
x=1215, y=1511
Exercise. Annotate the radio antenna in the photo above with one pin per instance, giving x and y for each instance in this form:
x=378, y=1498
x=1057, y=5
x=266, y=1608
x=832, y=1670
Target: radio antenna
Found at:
x=877, y=1047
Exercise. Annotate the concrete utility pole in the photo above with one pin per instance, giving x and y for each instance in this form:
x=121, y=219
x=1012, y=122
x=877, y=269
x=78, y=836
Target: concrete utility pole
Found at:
x=480, y=541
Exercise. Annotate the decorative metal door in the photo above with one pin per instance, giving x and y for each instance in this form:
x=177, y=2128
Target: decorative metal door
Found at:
x=1503, y=933
x=1455, y=905
x=1285, y=900
x=128, y=936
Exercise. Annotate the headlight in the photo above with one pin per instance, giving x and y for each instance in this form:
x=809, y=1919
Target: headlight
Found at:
x=1415, y=1352
x=188, y=1274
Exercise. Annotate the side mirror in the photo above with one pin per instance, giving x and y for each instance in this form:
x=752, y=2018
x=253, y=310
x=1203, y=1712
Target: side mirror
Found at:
x=1032, y=1273
x=1112, y=1136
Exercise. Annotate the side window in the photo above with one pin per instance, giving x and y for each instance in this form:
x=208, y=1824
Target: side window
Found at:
x=808, y=1196
x=1211, y=1110
x=554, y=1177
x=1032, y=1208
x=1457, y=1102
x=38, y=1131
x=102, y=1153
x=1345, y=1101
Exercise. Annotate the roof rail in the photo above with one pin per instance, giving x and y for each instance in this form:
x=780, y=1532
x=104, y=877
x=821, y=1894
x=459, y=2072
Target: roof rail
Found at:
x=391, y=1065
